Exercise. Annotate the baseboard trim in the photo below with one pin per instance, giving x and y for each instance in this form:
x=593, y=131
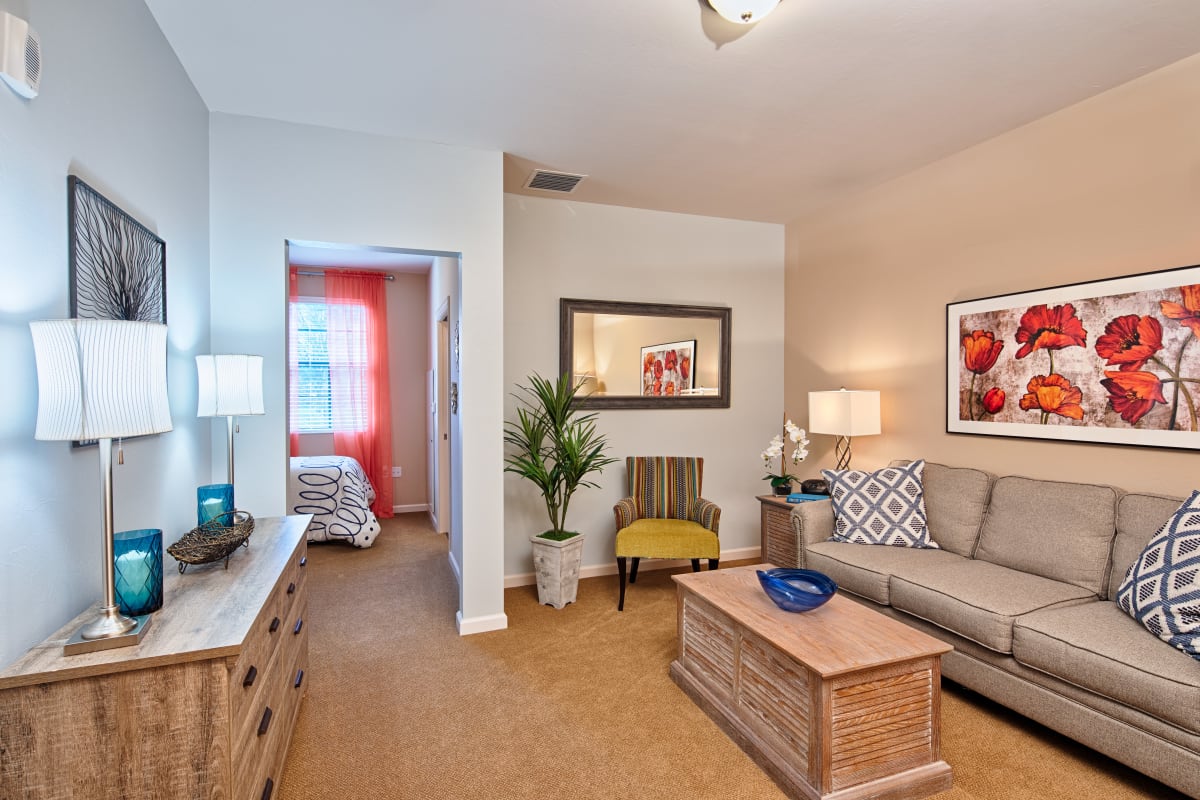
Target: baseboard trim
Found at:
x=472, y=625
x=410, y=508
x=598, y=570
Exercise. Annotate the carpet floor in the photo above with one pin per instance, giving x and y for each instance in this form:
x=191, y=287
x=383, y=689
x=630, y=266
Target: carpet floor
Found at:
x=573, y=703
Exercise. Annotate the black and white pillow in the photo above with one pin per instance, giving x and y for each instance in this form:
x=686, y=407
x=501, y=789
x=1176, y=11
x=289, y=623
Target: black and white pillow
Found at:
x=1161, y=590
x=882, y=507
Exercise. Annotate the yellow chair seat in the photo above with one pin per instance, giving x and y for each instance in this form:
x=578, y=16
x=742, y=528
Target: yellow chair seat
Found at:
x=667, y=538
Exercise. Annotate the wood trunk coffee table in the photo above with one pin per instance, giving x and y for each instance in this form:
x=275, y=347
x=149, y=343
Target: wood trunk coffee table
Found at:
x=840, y=703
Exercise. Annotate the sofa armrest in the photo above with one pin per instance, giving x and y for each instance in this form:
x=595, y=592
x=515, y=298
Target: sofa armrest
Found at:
x=812, y=522
x=625, y=512
x=708, y=514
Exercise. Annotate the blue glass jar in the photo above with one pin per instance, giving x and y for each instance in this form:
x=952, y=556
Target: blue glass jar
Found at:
x=138, y=571
x=212, y=501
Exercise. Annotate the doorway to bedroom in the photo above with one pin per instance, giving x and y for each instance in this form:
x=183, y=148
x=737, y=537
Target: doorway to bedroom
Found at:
x=368, y=388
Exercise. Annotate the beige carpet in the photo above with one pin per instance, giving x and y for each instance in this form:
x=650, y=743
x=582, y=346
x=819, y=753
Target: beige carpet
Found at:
x=574, y=703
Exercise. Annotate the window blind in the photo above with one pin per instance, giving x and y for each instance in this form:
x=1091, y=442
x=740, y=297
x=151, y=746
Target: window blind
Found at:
x=327, y=363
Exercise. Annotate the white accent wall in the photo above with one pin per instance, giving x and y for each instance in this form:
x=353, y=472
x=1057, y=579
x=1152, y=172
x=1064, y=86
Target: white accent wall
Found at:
x=557, y=248
x=116, y=109
x=272, y=181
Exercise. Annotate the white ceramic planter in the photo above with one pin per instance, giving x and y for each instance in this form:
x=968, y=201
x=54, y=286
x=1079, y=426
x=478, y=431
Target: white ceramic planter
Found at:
x=556, y=565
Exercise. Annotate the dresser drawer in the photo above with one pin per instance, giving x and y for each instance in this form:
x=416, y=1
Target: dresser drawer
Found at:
x=268, y=631
x=261, y=742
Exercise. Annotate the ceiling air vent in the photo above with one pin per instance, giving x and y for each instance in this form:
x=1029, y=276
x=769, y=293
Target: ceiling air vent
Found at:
x=547, y=181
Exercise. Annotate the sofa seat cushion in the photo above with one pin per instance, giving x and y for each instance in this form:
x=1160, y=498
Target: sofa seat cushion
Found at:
x=866, y=570
x=979, y=600
x=1099, y=647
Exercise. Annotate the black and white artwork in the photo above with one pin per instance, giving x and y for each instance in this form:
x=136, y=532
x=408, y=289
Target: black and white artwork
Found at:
x=118, y=266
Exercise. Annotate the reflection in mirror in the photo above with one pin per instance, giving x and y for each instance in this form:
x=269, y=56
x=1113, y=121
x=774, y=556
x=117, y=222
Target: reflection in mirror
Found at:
x=646, y=355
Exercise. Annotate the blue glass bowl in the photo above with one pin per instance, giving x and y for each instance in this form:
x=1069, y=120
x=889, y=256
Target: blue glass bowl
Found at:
x=797, y=589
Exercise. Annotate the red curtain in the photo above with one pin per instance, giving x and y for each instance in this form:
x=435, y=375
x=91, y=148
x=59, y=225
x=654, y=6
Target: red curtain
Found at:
x=356, y=307
x=293, y=294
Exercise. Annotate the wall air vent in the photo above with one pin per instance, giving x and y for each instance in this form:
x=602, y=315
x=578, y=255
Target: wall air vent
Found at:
x=548, y=181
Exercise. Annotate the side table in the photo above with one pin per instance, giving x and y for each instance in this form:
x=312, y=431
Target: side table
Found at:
x=778, y=539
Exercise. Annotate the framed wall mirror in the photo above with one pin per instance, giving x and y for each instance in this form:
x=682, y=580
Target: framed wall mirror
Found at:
x=646, y=355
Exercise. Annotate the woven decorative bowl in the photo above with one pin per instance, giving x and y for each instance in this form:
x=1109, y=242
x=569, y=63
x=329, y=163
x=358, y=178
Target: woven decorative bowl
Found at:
x=214, y=540
x=797, y=589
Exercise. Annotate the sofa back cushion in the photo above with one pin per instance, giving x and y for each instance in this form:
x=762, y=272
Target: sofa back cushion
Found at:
x=955, y=501
x=1054, y=529
x=1139, y=516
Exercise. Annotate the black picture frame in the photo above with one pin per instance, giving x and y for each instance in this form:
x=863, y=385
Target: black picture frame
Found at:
x=117, y=266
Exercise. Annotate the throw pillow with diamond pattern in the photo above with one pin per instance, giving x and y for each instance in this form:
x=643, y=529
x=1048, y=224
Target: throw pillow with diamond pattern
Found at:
x=1161, y=590
x=882, y=507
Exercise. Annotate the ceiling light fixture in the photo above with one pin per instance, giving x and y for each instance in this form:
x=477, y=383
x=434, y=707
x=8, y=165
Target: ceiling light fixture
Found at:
x=743, y=12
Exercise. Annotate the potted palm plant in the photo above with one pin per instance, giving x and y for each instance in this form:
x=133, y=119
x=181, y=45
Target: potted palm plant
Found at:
x=555, y=447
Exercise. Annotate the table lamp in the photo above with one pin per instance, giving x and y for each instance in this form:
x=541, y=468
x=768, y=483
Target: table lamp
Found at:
x=843, y=413
x=101, y=379
x=230, y=386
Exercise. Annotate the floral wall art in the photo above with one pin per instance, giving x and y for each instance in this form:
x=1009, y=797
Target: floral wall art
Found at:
x=667, y=369
x=1111, y=361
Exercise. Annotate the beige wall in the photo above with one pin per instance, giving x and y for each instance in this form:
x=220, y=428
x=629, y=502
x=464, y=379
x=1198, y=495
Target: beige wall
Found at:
x=408, y=349
x=555, y=249
x=1105, y=188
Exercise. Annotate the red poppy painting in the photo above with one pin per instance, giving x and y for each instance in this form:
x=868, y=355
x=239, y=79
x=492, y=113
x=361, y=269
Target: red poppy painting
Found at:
x=1111, y=361
x=666, y=369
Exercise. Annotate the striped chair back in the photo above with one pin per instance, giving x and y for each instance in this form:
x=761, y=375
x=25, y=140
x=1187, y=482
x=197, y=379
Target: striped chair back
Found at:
x=664, y=487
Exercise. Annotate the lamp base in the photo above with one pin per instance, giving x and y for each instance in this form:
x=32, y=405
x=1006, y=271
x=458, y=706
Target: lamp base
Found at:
x=111, y=630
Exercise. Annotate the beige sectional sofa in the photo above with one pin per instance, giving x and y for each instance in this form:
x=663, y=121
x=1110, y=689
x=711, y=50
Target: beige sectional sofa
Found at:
x=1023, y=587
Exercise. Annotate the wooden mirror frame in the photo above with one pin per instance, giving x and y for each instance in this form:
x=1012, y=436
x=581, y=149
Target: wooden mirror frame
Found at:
x=568, y=307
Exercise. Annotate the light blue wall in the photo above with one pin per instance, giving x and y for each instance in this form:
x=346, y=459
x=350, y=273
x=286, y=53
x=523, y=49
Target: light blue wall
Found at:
x=117, y=109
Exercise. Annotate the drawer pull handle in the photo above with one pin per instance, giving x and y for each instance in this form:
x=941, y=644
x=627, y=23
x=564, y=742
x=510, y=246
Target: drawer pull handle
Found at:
x=274, y=624
x=268, y=787
x=299, y=678
x=291, y=588
x=265, y=722
x=251, y=676
x=304, y=561
x=299, y=625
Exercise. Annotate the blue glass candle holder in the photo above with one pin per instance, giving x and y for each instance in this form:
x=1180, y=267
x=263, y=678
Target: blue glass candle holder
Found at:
x=138, y=571
x=212, y=501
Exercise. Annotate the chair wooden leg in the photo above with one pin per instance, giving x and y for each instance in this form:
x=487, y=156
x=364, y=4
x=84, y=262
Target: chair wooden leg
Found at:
x=633, y=572
x=712, y=563
x=621, y=572
x=695, y=565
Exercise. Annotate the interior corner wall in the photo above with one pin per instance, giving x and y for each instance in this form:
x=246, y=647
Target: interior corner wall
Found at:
x=557, y=248
x=117, y=109
x=408, y=348
x=1108, y=187
x=274, y=181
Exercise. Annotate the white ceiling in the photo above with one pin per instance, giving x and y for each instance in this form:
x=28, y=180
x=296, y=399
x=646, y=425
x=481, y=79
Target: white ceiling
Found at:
x=381, y=259
x=664, y=104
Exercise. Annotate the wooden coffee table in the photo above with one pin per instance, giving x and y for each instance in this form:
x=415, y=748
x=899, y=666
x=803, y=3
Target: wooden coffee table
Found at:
x=840, y=703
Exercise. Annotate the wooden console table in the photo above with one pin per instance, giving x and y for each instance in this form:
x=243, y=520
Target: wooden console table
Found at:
x=203, y=707
x=840, y=703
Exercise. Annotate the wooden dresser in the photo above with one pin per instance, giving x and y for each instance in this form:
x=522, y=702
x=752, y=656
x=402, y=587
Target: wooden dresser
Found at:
x=204, y=707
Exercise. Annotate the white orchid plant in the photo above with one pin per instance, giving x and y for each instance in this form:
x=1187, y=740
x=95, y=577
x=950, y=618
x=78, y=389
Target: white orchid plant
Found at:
x=775, y=449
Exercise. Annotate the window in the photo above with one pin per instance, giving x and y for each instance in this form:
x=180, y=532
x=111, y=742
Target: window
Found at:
x=327, y=361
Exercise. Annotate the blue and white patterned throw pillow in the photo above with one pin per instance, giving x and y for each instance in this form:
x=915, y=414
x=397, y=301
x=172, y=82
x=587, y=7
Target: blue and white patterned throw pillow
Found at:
x=1161, y=590
x=882, y=507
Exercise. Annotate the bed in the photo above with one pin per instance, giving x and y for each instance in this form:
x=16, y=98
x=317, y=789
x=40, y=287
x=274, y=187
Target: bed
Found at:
x=336, y=491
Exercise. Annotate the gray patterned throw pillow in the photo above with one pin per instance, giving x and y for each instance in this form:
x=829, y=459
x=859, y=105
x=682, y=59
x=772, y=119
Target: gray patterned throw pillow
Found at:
x=1161, y=590
x=882, y=507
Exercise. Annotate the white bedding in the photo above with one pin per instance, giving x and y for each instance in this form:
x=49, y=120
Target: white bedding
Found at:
x=336, y=491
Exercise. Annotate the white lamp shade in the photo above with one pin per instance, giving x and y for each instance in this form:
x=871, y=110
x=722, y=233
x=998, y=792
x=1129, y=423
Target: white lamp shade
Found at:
x=844, y=412
x=100, y=378
x=743, y=12
x=230, y=385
